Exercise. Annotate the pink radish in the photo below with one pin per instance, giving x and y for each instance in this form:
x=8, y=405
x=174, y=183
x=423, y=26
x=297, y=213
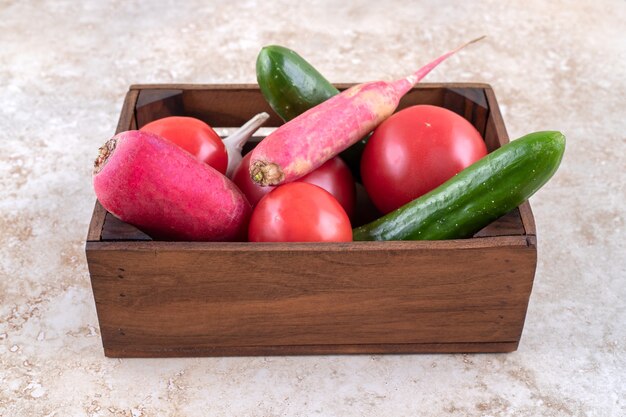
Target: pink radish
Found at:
x=149, y=182
x=306, y=142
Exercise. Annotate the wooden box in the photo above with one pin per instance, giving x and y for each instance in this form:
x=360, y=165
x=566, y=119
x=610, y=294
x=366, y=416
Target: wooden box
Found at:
x=158, y=298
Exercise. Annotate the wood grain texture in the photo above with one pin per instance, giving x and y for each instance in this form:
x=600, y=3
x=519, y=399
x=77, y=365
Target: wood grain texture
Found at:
x=156, y=104
x=277, y=295
x=127, y=115
x=470, y=103
x=225, y=105
x=97, y=222
x=407, y=348
x=405, y=245
x=527, y=218
x=508, y=225
x=114, y=229
x=495, y=133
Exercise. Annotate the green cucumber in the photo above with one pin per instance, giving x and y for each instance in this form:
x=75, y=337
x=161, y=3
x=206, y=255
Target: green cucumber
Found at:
x=476, y=196
x=292, y=86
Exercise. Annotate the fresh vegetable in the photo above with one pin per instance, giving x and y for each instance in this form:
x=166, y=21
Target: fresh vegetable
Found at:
x=150, y=182
x=299, y=212
x=234, y=143
x=306, y=142
x=476, y=196
x=289, y=83
x=333, y=176
x=414, y=151
x=199, y=139
x=194, y=136
x=291, y=86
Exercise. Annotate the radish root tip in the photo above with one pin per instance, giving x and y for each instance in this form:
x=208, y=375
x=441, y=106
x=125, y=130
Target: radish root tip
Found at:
x=266, y=173
x=103, y=154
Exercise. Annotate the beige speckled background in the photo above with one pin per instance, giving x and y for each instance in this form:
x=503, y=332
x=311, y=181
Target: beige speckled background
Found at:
x=64, y=68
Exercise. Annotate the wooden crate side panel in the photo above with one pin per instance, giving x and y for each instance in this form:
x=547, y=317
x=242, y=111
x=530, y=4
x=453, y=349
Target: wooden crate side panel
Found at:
x=507, y=225
x=156, y=104
x=432, y=96
x=470, y=103
x=495, y=131
x=148, y=301
x=232, y=106
x=407, y=348
x=228, y=108
x=97, y=223
x=127, y=120
x=528, y=219
x=116, y=230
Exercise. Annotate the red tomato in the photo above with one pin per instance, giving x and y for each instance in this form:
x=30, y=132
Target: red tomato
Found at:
x=299, y=212
x=334, y=176
x=194, y=136
x=415, y=151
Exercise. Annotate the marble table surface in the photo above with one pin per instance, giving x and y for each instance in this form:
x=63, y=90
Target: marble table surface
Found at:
x=64, y=69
